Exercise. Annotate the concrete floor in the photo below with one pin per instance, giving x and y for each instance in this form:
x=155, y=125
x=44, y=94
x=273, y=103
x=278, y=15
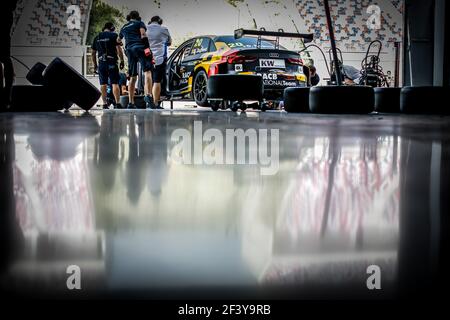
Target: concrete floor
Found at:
x=304, y=214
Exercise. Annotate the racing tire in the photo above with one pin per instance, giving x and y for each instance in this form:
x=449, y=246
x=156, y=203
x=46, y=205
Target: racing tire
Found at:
x=35, y=98
x=235, y=87
x=199, y=89
x=138, y=101
x=341, y=99
x=296, y=99
x=124, y=101
x=424, y=100
x=61, y=77
x=34, y=76
x=387, y=100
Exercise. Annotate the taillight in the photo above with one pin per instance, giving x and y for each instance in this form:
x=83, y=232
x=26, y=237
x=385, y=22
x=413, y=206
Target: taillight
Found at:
x=236, y=58
x=295, y=61
x=213, y=69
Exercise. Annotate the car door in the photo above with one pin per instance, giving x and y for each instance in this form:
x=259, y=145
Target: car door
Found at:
x=199, y=48
x=175, y=73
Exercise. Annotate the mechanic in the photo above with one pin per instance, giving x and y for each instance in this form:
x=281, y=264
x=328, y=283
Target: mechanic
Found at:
x=108, y=47
x=138, y=50
x=350, y=74
x=314, y=77
x=160, y=40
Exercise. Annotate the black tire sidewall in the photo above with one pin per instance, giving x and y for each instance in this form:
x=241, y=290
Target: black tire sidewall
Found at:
x=235, y=87
x=296, y=99
x=341, y=99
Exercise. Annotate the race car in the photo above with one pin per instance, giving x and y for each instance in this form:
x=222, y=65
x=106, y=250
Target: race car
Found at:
x=193, y=62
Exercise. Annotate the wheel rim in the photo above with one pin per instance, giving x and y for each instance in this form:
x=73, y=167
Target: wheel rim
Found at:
x=200, y=88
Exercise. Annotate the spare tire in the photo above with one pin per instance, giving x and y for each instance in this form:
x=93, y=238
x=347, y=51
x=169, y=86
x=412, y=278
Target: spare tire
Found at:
x=35, y=74
x=124, y=101
x=36, y=98
x=61, y=77
x=235, y=87
x=296, y=99
x=138, y=101
x=387, y=100
x=341, y=99
x=424, y=100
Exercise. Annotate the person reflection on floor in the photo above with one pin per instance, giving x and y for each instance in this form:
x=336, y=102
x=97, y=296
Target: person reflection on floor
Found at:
x=135, y=165
x=106, y=159
x=156, y=148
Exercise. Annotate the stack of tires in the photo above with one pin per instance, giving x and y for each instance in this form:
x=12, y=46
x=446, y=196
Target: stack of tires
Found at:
x=236, y=88
x=365, y=100
x=53, y=87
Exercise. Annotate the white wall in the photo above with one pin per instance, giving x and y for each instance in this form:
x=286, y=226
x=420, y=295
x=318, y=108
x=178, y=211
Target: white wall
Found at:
x=31, y=55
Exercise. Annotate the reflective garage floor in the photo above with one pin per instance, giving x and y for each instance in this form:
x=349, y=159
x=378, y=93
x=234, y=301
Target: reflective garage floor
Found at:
x=166, y=204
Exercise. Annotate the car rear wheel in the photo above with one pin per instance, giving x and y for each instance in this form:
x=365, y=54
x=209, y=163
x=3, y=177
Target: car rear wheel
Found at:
x=199, y=89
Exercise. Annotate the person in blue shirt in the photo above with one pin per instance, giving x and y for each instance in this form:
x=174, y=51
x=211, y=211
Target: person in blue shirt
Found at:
x=108, y=48
x=137, y=49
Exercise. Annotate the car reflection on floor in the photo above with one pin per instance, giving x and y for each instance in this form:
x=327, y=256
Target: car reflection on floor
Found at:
x=102, y=191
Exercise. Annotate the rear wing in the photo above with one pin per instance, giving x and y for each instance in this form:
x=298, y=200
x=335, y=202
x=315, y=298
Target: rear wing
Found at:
x=305, y=37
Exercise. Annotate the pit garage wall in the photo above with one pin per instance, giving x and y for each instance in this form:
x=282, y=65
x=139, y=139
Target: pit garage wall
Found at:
x=40, y=33
x=29, y=56
x=356, y=24
x=426, y=44
x=75, y=56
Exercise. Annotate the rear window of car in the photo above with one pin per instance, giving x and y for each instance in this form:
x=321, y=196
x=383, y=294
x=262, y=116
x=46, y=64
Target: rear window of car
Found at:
x=245, y=42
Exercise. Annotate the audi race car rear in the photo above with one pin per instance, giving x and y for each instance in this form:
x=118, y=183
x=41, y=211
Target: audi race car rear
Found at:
x=191, y=66
x=279, y=68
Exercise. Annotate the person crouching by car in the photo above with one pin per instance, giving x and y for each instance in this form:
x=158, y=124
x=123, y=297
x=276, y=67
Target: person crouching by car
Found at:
x=137, y=48
x=160, y=40
x=314, y=77
x=108, y=48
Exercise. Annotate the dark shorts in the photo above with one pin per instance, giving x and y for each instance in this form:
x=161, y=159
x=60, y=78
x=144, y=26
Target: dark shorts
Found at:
x=159, y=72
x=108, y=70
x=136, y=54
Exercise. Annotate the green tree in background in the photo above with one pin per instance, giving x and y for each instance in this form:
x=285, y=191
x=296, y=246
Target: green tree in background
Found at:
x=101, y=13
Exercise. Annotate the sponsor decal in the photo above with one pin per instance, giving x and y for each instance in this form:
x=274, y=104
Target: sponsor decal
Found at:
x=279, y=83
x=272, y=80
x=272, y=63
x=268, y=76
